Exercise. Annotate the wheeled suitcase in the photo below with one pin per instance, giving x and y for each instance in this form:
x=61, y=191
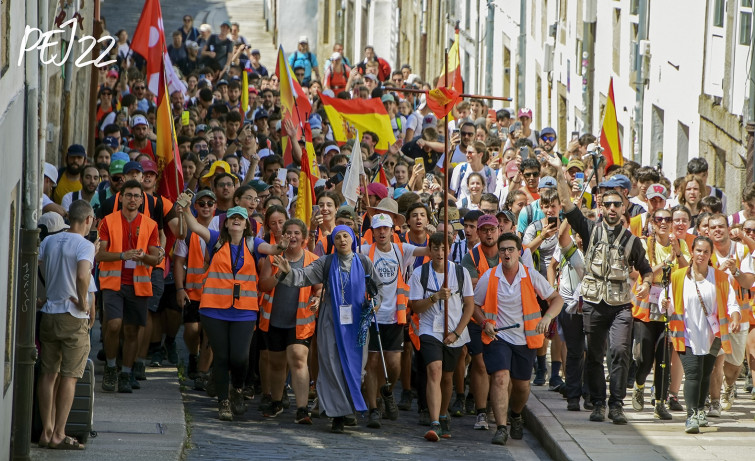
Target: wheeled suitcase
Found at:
x=79, y=422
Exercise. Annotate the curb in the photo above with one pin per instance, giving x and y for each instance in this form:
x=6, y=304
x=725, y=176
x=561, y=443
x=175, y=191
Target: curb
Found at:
x=541, y=422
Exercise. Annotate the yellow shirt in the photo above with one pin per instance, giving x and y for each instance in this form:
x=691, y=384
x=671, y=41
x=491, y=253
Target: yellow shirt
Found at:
x=662, y=253
x=65, y=186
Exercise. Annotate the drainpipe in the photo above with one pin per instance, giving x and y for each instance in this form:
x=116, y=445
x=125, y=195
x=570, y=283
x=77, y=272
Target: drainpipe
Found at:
x=522, y=53
x=588, y=58
x=489, y=45
x=639, y=82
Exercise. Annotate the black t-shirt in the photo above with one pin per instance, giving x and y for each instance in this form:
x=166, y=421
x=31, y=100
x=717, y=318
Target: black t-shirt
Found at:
x=222, y=48
x=412, y=150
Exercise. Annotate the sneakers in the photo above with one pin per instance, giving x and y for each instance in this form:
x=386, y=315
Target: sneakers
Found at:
x=350, y=420
x=173, y=354
x=539, y=379
x=638, y=398
x=265, y=402
x=556, y=384
x=200, y=382
x=133, y=381
x=433, y=435
x=285, y=400
x=273, y=409
x=598, y=413
x=224, y=410
x=482, y=422
x=661, y=412
x=673, y=403
x=457, y=408
x=469, y=405
x=501, y=436
x=572, y=404
x=373, y=419
x=405, y=403
x=302, y=416
x=338, y=425
x=517, y=427
x=157, y=358
x=424, y=417
x=692, y=426
x=445, y=425
x=715, y=409
x=616, y=414
x=140, y=371
x=391, y=409
x=727, y=397
x=110, y=380
x=248, y=392
x=124, y=383
x=702, y=421
x=238, y=407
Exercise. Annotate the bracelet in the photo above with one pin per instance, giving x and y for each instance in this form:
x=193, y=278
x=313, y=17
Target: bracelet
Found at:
x=431, y=298
x=455, y=333
x=182, y=288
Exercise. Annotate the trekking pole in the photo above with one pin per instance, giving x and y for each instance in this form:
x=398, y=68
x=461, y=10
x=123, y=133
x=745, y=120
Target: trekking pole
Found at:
x=665, y=281
x=508, y=327
x=385, y=389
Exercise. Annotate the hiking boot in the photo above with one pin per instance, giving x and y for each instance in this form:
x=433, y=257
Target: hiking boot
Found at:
x=238, y=407
x=124, y=383
x=501, y=436
x=482, y=422
x=572, y=404
x=172, y=354
x=702, y=421
x=598, y=414
x=638, y=398
x=433, y=435
x=157, y=358
x=673, y=403
x=302, y=416
x=661, y=412
x=556, y=384
x=692, y=426
x=224, y=410
x=469, y=405
x=273, y=409
x=539, y=379
x=391, y=409
x=210, y=386
x=616, y=414
x=265, y=402
x=715, y=409
x=192, y=372
x=457, y=408
x=517, y=427
x=350, y=420
x=373, y=420
x=727, y=397
x=200, y=382
x=445, y=426
x=248, y=392
x=140, y=371
x=110, y=380
x=338, y=424
x=588, y=405
x=424, y=417
x=133, y=381
x=405, y=403
x=285, y=400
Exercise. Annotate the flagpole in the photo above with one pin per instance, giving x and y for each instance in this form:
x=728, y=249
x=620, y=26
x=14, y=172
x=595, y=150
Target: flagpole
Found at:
x=445, y=209
x=465, y=95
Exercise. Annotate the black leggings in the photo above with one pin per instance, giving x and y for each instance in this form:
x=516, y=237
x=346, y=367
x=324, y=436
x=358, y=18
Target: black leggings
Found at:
x=697, y=370
x=230, y=347
x=648, y=337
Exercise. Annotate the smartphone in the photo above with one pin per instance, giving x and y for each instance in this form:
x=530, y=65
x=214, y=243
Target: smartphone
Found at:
x=203, y=154
x=454, y=131
x=552, y=221
x=580, y=178
x=201, y=76
x=185, y=118
x=315, y=209
x=282, y=172
x=236, y=291
x=524, y=152
x=419, y=161
x=575, y=135
x=491, y=113
x=334, y=180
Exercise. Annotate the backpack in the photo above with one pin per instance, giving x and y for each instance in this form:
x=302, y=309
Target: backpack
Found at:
x=486, y=172
x=424, y=276
x=307, y=57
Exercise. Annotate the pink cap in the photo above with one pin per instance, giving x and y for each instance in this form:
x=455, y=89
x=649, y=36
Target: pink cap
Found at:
x=524, y=112
x=149, y=165
x=487, y=220
x=378, y=189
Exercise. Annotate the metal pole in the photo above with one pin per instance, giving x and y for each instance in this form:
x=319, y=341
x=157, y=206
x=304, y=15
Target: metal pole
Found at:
x=588, y=55
x=94, y=82
x=522, y=54
x=489, y=45
x=464, y=95
x=639, y=82
x=446, y=164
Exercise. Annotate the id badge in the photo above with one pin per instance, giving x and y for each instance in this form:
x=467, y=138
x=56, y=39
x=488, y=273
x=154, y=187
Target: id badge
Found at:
x=713, y=322
x=655, y=294
x=438, y=324
x=345, y=314
x=129, y=264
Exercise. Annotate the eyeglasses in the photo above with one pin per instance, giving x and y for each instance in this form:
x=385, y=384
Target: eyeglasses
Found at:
x=487, y=230
x=548, y=138
x=117, y=179
x=250, y=198
x=207, y=204
x=139, y=87
x=616, y=204
x=662, y=219
x=531, y=174
x=467, y=133
x=507, y=250
x=132, y=196
x=748, y=230
x=223, y=185
x=390, y=163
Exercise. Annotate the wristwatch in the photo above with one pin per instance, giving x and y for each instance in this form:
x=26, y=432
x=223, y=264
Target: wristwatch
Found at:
x=737, y=272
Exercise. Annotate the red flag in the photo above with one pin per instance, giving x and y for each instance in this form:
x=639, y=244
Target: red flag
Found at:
x=450, y=84
x=295, y=105
x=149, y=42
x=170, y=182
x=609, y=134
x=380, y=177
x=362, y=114
x=441, y=100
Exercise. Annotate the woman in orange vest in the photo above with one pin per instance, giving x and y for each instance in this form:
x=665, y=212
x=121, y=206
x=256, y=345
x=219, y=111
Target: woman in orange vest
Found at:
x=228, y=306
x=287, y=318
x=701, y=298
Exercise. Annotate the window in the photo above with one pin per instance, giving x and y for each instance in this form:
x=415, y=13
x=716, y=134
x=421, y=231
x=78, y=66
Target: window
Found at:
x=616, y=40
x=719, y=13
x=4, y=35
x=745, y=27
x=634, y=7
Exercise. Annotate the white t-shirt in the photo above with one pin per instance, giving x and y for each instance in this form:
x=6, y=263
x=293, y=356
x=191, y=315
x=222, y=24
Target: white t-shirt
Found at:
x=182, y=249
x=457, y=157
x=510, y=300
x=745, y=257
x=569, y=278
x=388, y=270
x=431, y=321
x=413, y=122
x=459, y=182
x=61, y=254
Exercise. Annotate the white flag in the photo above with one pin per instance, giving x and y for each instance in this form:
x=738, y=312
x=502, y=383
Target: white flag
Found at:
x=355, y=168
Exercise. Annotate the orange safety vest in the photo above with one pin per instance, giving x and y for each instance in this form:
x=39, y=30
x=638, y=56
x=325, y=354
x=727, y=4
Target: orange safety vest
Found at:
x=480, y=261
x=402, y=289
x=676, y=320
x=744, y=295
x=635, y=225
x=217, y=292
x=147, y=211
x=641, y=307
x=305, y=318
x=196, y=269
x=530, y=307
x=110, y=271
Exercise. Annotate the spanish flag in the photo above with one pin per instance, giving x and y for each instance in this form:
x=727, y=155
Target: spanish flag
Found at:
x=450, y=85
x=380, y=177
x=244, y=92
x=308, y=176
x=609, y=134
x=295, y=105
x=170, y=180
x=362, y=114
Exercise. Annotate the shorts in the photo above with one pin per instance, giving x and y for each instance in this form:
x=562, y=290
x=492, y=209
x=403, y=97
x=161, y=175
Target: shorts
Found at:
x=278, y=339
x=474, y=346
x=738, y=345
x=168, y=300
x=158, y=287
x=433, y=350
x=191, y=312
x=391, y=335
x=64, y=343
x=124, y=304
x=501, y=355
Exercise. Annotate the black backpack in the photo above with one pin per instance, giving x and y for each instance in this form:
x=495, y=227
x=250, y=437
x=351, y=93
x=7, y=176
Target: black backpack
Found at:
x=424, y=276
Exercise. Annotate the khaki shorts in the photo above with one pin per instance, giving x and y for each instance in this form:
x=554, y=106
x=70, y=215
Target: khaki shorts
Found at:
x=738, y=345
x=64, y=342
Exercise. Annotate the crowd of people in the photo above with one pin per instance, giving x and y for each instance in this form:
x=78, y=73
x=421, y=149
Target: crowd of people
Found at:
x=546, y=249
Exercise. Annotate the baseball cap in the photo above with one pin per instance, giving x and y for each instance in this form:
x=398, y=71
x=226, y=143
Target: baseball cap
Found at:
x=303, y=39
x=657, y=190
x=259, y=186
x=388, y=98
x=226, y=23
x=130, y=166
x=502, y=113
x=51, y=172
x=371, y=77
x=524, y=112
x=347, y=212
x=110, y=141
x=381, y=220
x=139, y=120
x=547, y=182
x=335, y=148
x=149, y=165
x=237, y=211
x=335, y=56
x=260, y=114
x=222, y=81
x=200, y=127
x=506, y=214
x=120, y=155
x=77, y=150
x=255, y=51
x=575, y=163
x=487, y=220
x=112, y=73
x=204, y=193
x=116, y=167
x=547, y=130
x=192, y=44
x=52, y=222
x=618, y=180
x=205, y=28
x=378, y=189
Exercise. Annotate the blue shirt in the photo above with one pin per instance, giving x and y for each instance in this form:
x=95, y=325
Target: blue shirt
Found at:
x=306, y=60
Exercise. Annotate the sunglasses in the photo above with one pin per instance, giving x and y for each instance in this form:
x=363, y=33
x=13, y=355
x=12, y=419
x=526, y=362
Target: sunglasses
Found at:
x=139, y=87
x=203, y=204
x=662, y=219
x=531, y=175
x=616, y=204
x=548, y=138
x=106, y=93
x=467, y=133
x=390, y=163
x=117, y=178
x=748, y=230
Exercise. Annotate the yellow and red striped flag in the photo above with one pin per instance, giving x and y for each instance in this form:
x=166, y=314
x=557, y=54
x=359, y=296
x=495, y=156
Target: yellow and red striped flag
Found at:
x=450, y=84
x=362, y=114
x=170, y=180
x=609, y=134
x=380, y=177
x=295, y=105
x=244, y=92
x=308, y=176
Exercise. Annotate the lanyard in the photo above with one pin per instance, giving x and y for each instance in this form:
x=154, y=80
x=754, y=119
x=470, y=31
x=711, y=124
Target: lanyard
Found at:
x=235, y=266
x=344, y=277
x=699, y=296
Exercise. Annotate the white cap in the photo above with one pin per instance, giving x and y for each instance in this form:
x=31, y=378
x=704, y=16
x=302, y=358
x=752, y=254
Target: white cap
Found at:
x=139, y=120
x=53, y=222
x=303, y=39
x=205, y=28
x=381, y=220
x=51, y=172
x=335, y=56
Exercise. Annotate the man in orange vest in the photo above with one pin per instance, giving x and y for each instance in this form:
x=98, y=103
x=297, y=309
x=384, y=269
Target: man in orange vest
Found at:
x=128, y=252
x=506, y=295
x=391, y=261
